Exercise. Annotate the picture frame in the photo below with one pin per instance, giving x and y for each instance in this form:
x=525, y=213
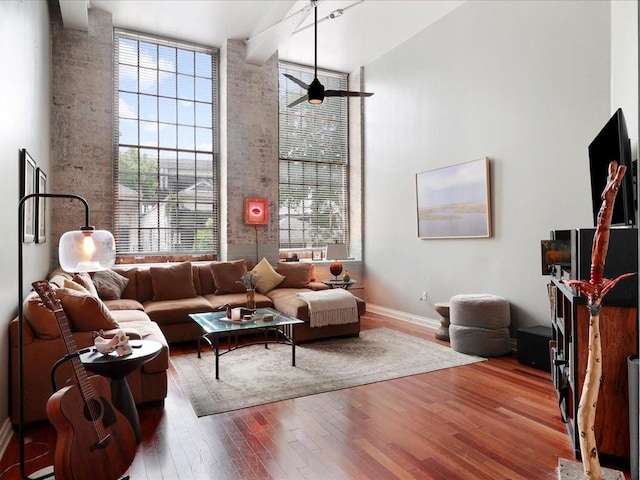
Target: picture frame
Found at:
x=455, y=201
x=27, y=187
x=256, y=211
x=41, y=208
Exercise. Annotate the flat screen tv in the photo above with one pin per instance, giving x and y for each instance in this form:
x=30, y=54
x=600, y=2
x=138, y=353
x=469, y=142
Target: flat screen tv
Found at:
x=612, y=144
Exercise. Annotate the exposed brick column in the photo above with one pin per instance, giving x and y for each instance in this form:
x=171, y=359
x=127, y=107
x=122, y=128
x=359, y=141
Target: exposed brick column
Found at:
x=248, y=151
x=82, y=123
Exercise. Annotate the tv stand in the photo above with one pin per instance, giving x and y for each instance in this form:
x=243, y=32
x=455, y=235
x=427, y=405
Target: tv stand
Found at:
x=569, y=351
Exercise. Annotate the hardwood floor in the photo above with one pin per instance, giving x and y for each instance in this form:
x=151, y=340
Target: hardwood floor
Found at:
x=491, y=420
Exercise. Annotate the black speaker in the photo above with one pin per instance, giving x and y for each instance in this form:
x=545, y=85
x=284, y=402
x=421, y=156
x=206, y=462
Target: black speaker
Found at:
x=533, y=347
x=622, y=257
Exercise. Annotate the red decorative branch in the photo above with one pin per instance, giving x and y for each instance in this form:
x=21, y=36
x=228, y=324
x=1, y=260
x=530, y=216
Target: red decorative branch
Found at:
x=597, y=287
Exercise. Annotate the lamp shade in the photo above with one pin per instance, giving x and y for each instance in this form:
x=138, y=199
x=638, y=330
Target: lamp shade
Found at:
x=87, y=250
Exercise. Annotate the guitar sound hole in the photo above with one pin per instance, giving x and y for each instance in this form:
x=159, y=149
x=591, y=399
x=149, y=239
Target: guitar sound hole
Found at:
x=93, y=410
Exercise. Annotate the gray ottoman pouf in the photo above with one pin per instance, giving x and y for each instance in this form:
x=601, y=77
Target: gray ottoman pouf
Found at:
x=480, y=324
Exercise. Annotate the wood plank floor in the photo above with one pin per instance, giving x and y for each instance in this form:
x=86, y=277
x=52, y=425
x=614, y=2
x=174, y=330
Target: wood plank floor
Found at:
x=492, y=420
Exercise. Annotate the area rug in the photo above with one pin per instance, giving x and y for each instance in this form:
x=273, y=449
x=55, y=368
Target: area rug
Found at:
x=254, y=375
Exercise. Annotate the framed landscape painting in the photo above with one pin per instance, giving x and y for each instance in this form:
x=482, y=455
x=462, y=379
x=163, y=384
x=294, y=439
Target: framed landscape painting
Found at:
x=455, y=201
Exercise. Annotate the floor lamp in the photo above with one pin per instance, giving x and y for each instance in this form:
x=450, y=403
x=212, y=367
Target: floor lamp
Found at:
x=84, y=250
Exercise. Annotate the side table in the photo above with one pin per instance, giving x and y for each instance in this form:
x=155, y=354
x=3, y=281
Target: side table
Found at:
x=117, y=368
x=443, y=332
x=339, y=283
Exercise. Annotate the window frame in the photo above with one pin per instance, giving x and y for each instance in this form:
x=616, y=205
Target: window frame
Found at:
x=328, y=78
x=205, y=182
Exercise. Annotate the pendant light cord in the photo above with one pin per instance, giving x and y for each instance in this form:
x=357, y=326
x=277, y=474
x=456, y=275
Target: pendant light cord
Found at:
x=315, y=40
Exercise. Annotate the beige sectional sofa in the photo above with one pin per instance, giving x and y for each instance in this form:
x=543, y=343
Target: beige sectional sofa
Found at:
x=151, y=302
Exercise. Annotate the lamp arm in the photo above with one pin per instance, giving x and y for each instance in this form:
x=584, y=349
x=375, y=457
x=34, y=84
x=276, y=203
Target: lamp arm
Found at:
x=21, y=203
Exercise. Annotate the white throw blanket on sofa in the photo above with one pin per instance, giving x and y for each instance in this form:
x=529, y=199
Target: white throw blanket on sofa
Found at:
x=330, y=307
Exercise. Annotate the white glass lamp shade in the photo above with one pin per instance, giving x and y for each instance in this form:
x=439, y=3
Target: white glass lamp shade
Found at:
x=87, y=250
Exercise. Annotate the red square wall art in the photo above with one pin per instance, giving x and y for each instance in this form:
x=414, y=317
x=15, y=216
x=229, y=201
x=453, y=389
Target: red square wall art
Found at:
x=256, y=211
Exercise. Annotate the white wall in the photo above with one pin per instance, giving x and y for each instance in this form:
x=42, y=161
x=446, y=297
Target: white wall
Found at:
x=524, y=83
x=624, y=65
x=24, y=123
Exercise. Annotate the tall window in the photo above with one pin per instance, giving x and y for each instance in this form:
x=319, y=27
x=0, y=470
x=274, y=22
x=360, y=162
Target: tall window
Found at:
x=166, y=137
x=314, y=162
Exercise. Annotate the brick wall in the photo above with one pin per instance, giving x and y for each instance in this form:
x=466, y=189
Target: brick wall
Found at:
x=81, y=123
x=82, y=129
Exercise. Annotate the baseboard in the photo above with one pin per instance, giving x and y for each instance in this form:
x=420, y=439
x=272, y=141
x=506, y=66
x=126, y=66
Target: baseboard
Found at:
x=6, y=432
x=404, y=316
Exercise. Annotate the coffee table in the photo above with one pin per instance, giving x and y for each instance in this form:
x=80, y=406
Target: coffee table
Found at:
x=213, y=328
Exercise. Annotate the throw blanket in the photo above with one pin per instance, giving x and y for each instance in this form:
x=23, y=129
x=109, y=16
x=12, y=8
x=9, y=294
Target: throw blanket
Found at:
x=330, y=307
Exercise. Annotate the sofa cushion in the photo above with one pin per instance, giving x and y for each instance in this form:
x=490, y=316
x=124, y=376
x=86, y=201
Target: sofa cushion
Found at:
x=84, y=311
x=75, y=286
x=123, y=304
x=206, y=283
x=131, y=290
x=175, y=311
x=84, y=279
x=172, y=282
x=237, y=300
x=226, y=276
x=296, y=274
x=135, y=320
x=40, y=318
x=268, y=278
x=109, y=284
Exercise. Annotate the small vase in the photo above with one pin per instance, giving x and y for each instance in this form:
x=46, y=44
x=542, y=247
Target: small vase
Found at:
x=251, y=299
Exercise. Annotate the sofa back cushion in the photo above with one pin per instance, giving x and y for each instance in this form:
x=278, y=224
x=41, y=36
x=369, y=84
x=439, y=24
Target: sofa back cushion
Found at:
x=130, y=292
x=84, y=311
x=205, y=283
x=226, y=276
x=296, y=274
x=109, y=284
x=84, y=280
x=40, y=318
x=173, y=282
x=145, y=288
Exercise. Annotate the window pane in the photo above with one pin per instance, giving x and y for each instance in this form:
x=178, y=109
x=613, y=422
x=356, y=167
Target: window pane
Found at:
x=128, y=78
x=185, y=87
x=128, y=130
x=167, y=110
x=186, y=112
x=203, y=89
x=148, y=107
x=128, y=105
x=203, y=114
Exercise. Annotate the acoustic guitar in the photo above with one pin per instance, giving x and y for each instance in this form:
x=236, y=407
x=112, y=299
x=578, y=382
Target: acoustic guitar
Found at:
x=94, y=440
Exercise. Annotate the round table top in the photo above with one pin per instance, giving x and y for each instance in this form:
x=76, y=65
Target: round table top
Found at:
x=113, y=366
x=442, y=308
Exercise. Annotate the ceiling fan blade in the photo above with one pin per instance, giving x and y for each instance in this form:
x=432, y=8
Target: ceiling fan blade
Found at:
x=296, y=102
x=297, y=81
x=345, y=93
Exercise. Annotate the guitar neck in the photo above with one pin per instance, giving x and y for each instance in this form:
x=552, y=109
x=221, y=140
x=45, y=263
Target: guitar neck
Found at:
x=72, y=349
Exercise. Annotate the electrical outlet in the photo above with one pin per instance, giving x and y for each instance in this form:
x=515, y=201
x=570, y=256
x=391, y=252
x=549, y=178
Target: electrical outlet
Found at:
x=425, y=296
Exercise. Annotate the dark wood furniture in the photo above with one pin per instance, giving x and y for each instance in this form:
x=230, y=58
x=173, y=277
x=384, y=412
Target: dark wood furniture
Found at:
x=117, y=368
x=569, y=351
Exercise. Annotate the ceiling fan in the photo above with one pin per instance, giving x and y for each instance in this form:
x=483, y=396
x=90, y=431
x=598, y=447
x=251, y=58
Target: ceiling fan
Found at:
x=315, y=91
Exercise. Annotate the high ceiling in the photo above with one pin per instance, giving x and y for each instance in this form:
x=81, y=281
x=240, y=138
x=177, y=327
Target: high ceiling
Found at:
x=366, y=30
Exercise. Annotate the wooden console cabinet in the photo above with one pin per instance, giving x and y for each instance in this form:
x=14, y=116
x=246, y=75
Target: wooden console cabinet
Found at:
x=569, y=351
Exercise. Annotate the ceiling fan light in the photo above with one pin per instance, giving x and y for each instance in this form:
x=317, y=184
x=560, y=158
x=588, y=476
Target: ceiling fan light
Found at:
x=315, y=93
